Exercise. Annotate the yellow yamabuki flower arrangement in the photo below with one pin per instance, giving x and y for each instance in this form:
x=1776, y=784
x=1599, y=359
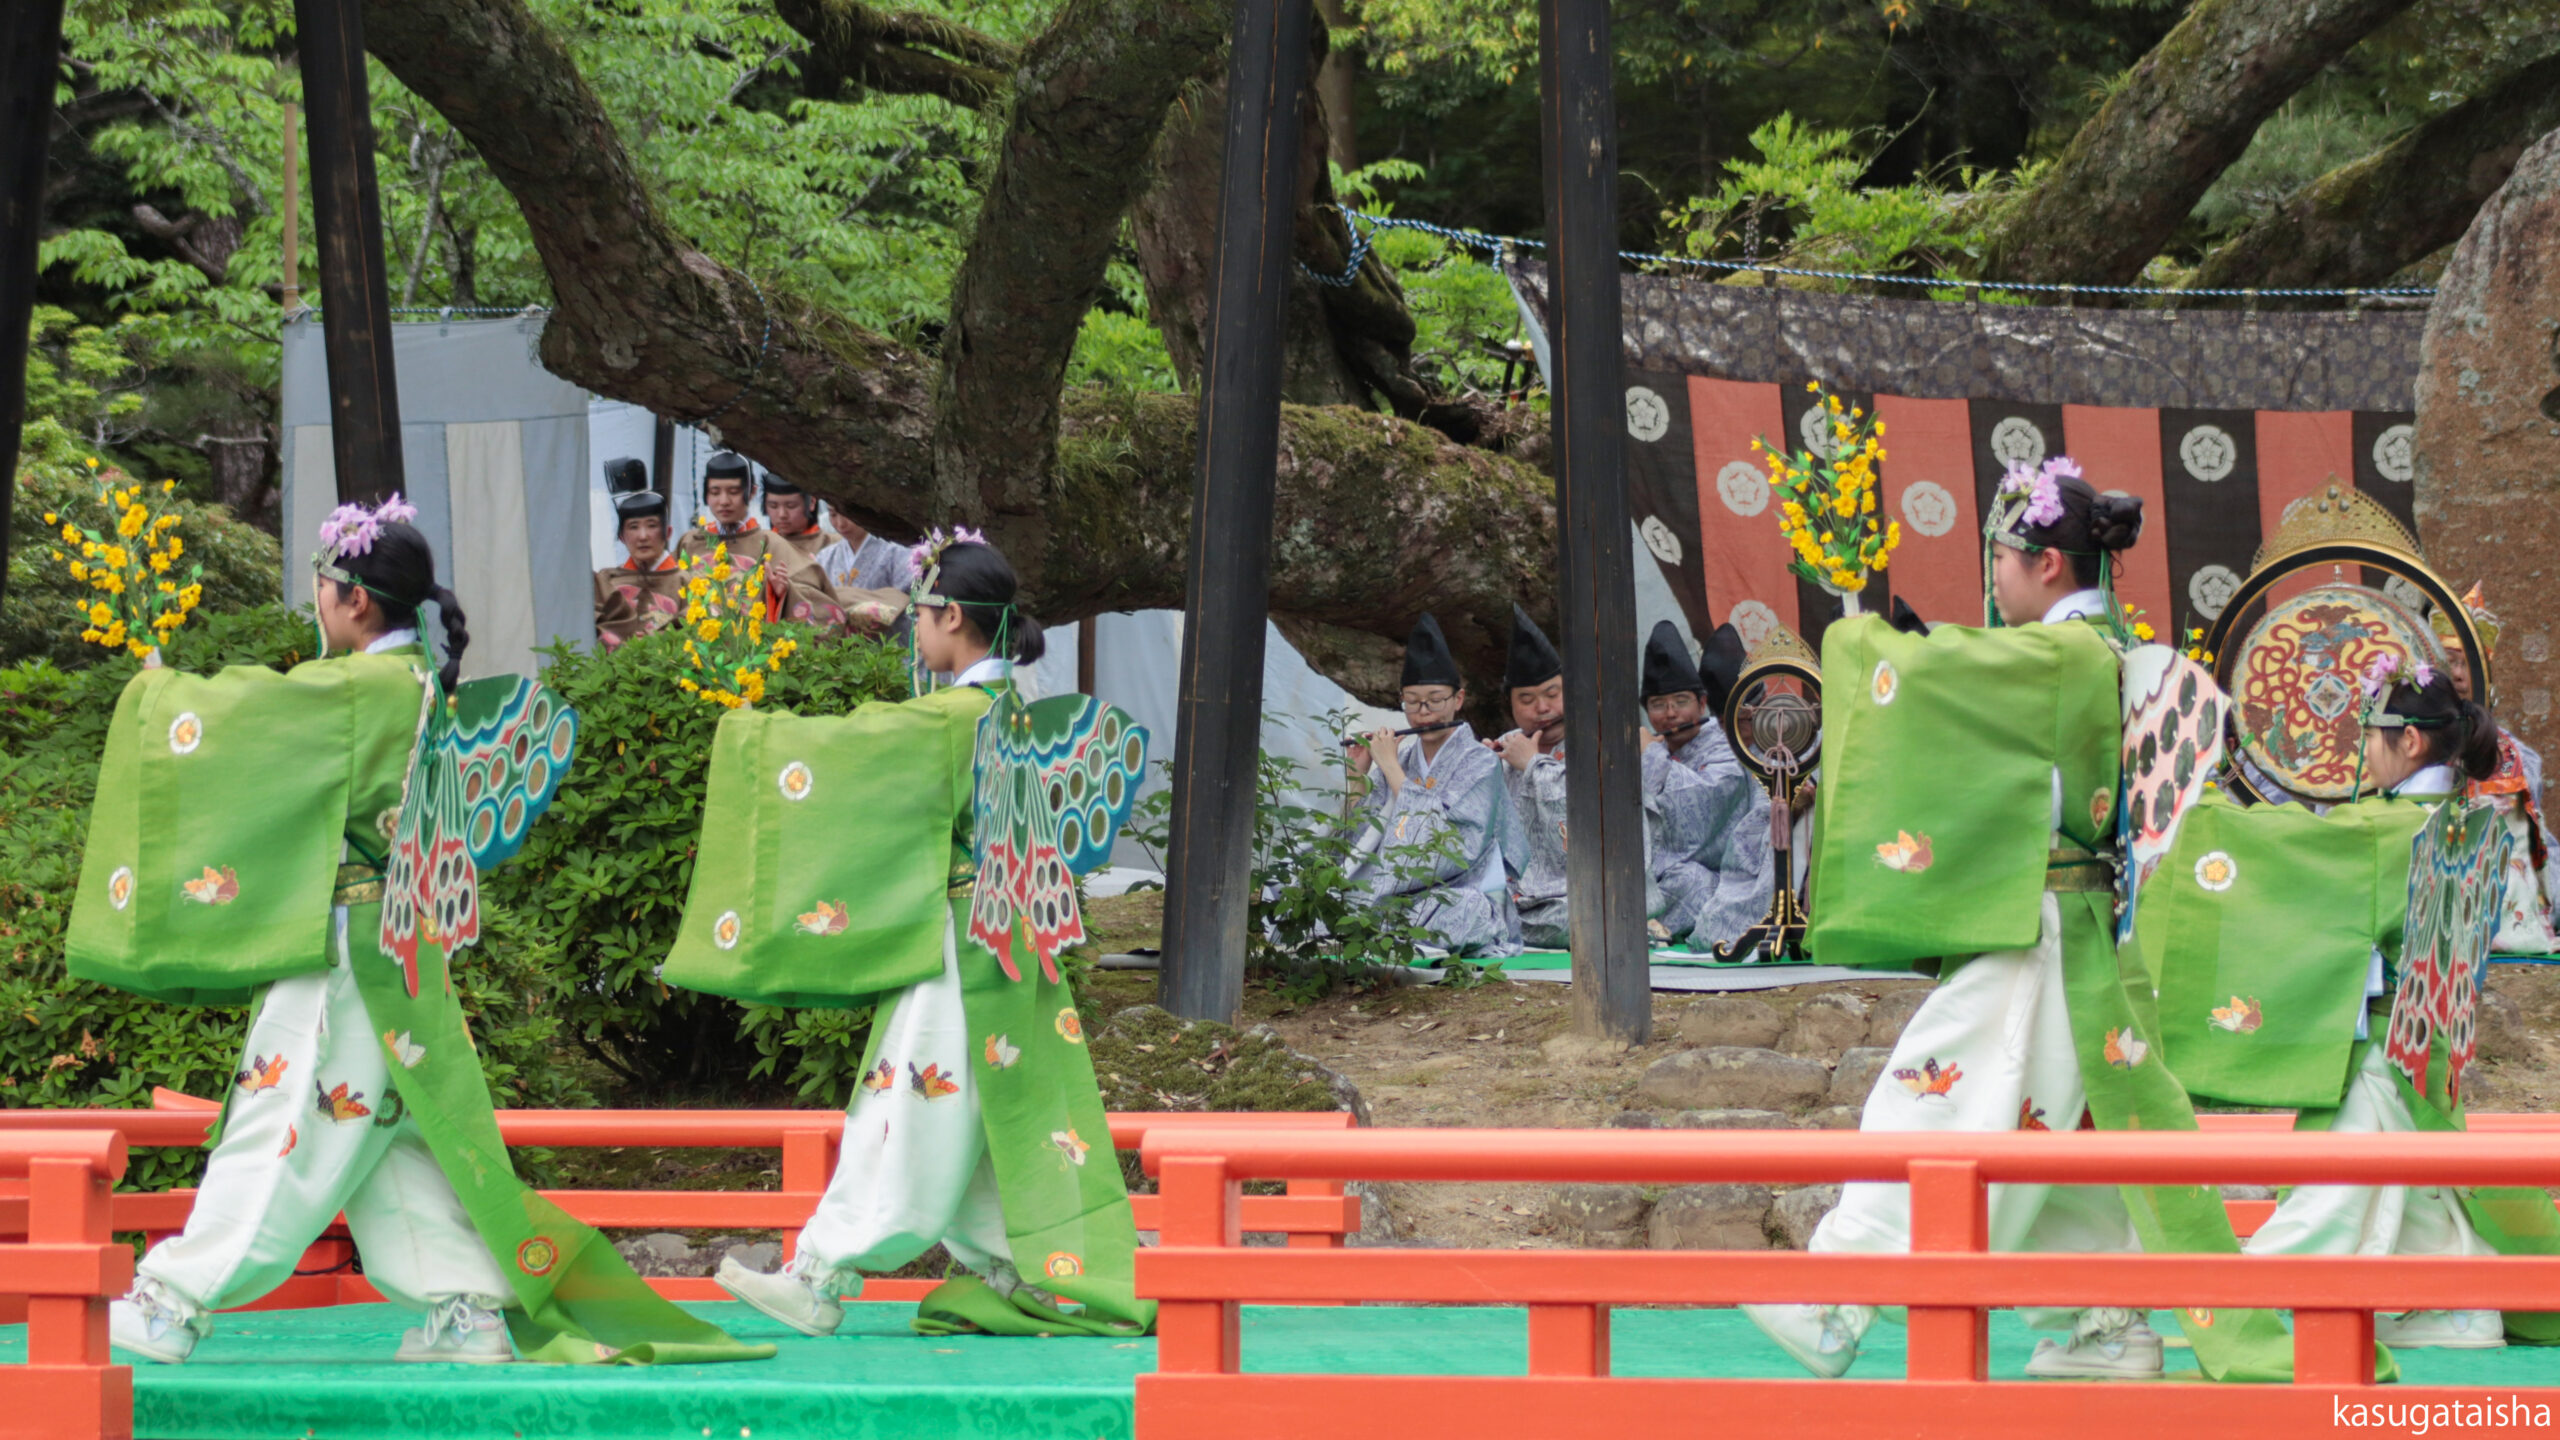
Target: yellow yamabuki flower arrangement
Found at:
x=138, y=594
x=1827, y=504
x=726, y=656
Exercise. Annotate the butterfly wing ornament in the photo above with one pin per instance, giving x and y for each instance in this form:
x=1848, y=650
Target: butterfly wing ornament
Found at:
x=1056, y=781
x=483, y=770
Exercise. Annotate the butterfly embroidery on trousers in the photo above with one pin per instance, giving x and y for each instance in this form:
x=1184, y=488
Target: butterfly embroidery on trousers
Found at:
x=341, y=1103
x=930, y=1082
x=1930, y=1082
x=262, y=1074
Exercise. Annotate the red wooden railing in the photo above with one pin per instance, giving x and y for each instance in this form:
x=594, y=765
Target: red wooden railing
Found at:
x=1314, y=1213
x=63, y=1272
x=1201, y=1275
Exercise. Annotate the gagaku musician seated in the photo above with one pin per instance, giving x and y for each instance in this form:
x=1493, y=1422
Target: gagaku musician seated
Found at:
x=1432, y=821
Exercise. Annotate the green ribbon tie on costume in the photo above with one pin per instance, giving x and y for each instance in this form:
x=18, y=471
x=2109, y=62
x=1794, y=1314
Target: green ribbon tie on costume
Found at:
x=577, y=1301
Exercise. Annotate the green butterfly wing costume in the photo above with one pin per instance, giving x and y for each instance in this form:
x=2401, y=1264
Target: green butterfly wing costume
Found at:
x=837, y=855
x=237, y=814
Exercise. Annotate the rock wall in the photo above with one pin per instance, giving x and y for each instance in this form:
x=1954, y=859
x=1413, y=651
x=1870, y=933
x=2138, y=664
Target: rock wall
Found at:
x=2488, y=432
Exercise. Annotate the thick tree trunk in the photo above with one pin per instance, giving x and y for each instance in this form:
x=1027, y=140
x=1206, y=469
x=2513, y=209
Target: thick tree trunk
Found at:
x=1175, y=225
x=2368, y=220
x=1378, y=519
x=2183, y=114
x=1089, y=99
x=1347, y=344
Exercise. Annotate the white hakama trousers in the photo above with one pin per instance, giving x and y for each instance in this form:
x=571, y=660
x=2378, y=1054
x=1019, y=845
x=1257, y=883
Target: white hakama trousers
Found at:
x=287, y=1165
x=2370, y=1219
x=2002, y=1021
x=914, y=1168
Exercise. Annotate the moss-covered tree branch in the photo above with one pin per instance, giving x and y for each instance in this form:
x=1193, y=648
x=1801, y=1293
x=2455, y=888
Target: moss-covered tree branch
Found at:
x=852, y=44
x=2179, y=118
x=2367, y=220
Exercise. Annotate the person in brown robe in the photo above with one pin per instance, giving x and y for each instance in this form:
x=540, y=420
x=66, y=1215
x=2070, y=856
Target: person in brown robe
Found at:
x=794, y=587
x=645, y=593
x=791, y=515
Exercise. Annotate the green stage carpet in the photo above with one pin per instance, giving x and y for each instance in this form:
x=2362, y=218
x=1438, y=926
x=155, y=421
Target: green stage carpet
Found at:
x=327, y=1375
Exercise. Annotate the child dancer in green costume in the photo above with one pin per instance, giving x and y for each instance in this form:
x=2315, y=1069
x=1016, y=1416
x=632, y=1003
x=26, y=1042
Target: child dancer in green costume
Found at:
x=896, y=857
x=2274, y=938
x=308, y=841
x=1969, y=811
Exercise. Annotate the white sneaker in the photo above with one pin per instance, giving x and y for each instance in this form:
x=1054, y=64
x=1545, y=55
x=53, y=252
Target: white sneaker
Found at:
x=1822, y=1338
x=2108, y=1344
x=787, y=1295
x=152, y=1323
x=458, y=1332
x=2442, y=1330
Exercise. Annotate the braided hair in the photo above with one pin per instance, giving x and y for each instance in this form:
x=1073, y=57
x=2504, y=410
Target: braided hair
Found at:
x=399, y=571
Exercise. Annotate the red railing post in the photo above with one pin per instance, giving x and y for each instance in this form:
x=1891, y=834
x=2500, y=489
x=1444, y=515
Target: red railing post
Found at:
x=2333, y=1347
x=808, y=1163
x=1570, y=1340
x=1201, y=1207
x=70, y=1389
x=1949, y=1212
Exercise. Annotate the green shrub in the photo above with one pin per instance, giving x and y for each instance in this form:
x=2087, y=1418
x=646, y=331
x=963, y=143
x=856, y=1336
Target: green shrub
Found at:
x=242, y=567
x=1305, y=928
x=71, y=1043
x=602, y=881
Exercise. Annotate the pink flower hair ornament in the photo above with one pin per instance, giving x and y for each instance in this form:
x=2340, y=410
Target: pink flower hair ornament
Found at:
x=2389, y=667
x=352, y=529
x=927, y=556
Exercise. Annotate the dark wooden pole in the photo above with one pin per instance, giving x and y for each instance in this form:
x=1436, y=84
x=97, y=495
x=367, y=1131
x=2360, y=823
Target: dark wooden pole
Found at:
x=662, y=459
x=1604, y=865
x=30, y=60
x=346, y=220
x=1218, y=731
x=1088, y=652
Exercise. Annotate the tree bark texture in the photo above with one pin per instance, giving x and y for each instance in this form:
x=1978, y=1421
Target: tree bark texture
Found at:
x=2488, y=430
x=1089, y=99
x=858, y=46
x=1377, y=518
x=2372, y=218
x=2179, y=118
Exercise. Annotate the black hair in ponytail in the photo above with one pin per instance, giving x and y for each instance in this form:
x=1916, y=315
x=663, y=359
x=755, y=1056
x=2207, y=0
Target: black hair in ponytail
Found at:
x=2457, y=732
x=2093, y=527
x=980, y=582
x=399, y=571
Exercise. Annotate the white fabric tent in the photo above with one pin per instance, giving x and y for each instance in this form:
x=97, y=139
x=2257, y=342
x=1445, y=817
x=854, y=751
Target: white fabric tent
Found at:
x=495, y=449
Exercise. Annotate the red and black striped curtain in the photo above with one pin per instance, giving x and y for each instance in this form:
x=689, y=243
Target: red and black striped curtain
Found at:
x=2218, y=420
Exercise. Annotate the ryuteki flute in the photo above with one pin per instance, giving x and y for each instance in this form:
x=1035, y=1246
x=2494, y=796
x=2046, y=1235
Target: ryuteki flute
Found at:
x=1409, y=730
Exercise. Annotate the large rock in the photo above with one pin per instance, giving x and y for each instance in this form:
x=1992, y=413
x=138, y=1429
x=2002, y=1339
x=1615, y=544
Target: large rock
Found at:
x=1710, y=1217
x=1732, y=1020
x=1730, y=1120
x=662, y=1254
x=1798, y=1211
x=1729, y=1077
x=2487, y=455
x=2504, y=1035
x=1601, y=1214
x=1826, y=1025
x=1856, y=1074
x=1893, y=1011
